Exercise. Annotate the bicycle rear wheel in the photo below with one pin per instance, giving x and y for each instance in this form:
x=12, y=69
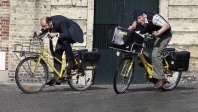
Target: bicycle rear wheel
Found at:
x=82, y=81
x=172, y=80
x=28, y=81
x=123, y=75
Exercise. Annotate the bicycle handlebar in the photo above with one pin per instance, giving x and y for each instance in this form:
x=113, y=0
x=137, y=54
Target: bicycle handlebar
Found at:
x=40, y=36
x=145, y=36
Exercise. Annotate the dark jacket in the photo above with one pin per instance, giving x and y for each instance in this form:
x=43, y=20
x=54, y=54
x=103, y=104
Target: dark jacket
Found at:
x=66, y=28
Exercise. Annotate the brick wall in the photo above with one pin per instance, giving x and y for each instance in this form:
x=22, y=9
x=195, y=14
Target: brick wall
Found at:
x=24, y=20
x=4, y=28
x=25, y=16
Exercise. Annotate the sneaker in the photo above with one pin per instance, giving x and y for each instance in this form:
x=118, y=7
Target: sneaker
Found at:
x=58, y=82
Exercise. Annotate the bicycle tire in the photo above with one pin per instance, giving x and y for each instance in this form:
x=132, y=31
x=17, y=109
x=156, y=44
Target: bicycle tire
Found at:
x=27, y=81
x=172, y=81
x=122, y=77
x=82, y=82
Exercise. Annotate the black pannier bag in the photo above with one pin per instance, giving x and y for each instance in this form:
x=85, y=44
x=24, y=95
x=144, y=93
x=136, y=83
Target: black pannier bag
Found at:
x=179, y=61
x=125, y=40
x=166, y=52
x=89, y=60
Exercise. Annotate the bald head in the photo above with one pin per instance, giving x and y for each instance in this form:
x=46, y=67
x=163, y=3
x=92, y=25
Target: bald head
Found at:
x=45, y=23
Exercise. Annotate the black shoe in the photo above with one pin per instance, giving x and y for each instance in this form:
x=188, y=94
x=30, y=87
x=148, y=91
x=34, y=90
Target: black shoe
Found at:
x=53, y=82
x=160, y=83
x=71, y=64
x=58, y=82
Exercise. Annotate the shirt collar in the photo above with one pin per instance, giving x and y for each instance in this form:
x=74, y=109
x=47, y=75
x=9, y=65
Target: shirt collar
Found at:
x=146, y=20
x=52, y=25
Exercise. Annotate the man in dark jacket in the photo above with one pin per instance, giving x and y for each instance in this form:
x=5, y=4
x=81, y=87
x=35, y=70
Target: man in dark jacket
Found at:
x=156, y=25
x=67, y=32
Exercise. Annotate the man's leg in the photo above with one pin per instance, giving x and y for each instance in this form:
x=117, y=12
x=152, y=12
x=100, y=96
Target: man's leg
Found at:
x=157, y=64
x=158, y=73
x=69, y=54
x=57, y=65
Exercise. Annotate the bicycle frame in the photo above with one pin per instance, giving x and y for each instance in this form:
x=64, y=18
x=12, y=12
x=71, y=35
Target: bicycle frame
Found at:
x=148, y=67
x=41, y=55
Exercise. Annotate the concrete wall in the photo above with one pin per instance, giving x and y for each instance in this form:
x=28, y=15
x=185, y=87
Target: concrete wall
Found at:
x=183, y=18
x=81, y=11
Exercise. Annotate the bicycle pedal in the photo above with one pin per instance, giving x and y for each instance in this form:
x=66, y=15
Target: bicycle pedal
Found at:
x=87, y=80
x=51, y=82
x=73, y=72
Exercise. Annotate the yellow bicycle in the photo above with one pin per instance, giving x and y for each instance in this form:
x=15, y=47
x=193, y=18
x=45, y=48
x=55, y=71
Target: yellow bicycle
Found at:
x=32, y=72
x=125, y=70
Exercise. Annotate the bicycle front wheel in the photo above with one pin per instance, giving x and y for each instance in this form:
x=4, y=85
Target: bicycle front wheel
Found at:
x=30, y=75
x=123, y=75
x=82, y=81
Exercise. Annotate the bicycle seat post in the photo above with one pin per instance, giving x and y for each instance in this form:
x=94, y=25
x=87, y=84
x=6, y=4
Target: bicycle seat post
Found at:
x=64, y=59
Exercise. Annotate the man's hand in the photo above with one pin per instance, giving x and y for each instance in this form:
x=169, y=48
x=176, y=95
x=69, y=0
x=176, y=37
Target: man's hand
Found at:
x=52, y=35
x=132, y=26
x=36, y=34
x=156, y=33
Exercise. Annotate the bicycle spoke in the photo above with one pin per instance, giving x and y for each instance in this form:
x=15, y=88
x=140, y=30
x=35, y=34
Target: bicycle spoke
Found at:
x=122, y=78
x=28, y=81
x=82, y=81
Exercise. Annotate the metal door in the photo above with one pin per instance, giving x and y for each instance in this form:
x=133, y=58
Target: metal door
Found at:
x=108, y=14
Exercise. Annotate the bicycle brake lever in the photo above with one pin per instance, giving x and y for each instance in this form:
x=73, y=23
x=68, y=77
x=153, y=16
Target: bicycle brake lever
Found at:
x=48, y=35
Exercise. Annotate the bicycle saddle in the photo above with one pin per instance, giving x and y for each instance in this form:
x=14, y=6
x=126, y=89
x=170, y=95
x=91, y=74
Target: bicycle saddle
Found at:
x=79, y=52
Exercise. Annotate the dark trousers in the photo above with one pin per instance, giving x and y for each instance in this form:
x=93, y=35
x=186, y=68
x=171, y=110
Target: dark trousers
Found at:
x=61, y=46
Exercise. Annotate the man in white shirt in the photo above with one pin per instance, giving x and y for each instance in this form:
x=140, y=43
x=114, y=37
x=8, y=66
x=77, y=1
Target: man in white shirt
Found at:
x=156, y=25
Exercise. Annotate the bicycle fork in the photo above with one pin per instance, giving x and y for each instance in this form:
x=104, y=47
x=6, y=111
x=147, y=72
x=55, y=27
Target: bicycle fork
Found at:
x=36, y=64
x=126, y=73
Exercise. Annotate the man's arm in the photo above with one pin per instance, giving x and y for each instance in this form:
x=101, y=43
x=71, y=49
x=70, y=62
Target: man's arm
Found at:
x=63, y=34
x=160, y=21
x=132, y=26
x=164, y=28
x=64, y=31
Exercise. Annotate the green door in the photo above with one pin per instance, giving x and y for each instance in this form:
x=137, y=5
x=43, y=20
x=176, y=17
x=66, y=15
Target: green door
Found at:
x=107, y=15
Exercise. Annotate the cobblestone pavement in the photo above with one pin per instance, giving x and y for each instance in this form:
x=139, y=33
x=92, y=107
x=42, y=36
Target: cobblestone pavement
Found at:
x=100, y=98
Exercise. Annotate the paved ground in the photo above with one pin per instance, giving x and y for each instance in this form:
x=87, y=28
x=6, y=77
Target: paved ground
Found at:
x=139, y=98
